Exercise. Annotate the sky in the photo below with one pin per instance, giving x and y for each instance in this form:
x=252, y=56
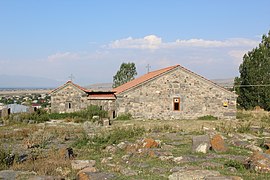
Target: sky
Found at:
x=90, y=39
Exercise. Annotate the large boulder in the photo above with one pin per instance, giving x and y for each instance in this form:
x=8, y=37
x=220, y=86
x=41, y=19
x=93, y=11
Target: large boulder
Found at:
x=150, y=143
x=218, y=144
x=259, y=162
x=81, y=164
x=95, y=176
x=200, y=143
x=193, y=174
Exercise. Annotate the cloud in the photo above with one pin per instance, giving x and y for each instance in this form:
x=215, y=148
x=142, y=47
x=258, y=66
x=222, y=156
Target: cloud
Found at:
x=237, y=55
x=153, y=42
x=148, y=42
x=63, y=56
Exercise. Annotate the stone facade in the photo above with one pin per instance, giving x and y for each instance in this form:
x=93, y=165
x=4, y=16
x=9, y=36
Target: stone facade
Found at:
x=177, y=94
x=169, y=93
x=71, y=97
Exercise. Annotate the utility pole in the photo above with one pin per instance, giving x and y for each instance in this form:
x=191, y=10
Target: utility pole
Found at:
x=148, y=68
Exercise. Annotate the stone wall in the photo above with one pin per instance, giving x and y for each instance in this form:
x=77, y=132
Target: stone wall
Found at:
x=198, y=97
x=68, y=99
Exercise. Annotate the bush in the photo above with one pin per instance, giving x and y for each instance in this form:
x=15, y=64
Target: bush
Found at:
x=244, y=127
x=243, y=115
x=39, y=116
x=114, y=136
x=207, y=117
x=125, y=116
x=79, y=116
x=237, y=165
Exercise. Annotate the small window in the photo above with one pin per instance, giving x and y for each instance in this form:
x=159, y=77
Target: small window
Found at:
x=69, y=105
x=176, y=104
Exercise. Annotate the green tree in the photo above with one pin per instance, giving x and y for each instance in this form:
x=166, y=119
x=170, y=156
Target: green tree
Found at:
x=126, y=73
x=255, y=70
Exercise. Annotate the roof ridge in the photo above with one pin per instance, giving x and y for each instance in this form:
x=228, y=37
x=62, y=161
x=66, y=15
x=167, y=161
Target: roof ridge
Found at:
x=142, y=79
x=70, y=82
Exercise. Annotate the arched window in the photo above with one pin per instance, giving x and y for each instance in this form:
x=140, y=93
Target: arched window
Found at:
x=176, y=104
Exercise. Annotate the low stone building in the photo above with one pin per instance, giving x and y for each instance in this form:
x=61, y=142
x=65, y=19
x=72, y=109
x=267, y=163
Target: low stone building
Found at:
x=174, y=93
x=71, y=97
x=170, y=93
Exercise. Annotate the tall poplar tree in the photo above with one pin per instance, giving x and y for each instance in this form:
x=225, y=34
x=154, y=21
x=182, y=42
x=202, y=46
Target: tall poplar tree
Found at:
x=253, y=84
x=126, y=73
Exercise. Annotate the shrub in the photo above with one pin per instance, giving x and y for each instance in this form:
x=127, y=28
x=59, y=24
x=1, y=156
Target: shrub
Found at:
x=237, y=165
x=125, y=116
x=114, y=136
x=207, y=117
x=244, y=127
x=79, y=116
x=38, y=116
x=243, y=115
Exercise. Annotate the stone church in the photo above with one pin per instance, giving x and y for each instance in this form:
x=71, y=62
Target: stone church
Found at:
x=170, y=93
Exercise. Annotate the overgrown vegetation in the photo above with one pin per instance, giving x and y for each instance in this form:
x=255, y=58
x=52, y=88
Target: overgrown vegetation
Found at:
x=41, y=115
x=207, y=117
x=114, y=136
x=125, y=116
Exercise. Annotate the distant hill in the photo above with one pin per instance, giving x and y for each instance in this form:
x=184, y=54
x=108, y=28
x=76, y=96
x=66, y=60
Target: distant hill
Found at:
x=224, y=82
x=14, y=81
x=100, y=86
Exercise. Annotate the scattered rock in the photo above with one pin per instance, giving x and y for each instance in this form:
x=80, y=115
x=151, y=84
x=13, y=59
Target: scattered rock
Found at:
x=122, y=145
x=254, y=148
x=63, y=171
x=128, y=172
x=142, y=165
x=106, y=160
x=126, y=157
x=150, y=143
x=158, y=170
x=211, y=164
x=259, y=162
x=232, y=169
x=110, y=149
x=11, y=174
x=95, y=176
x=81, y=164
x=218, y=144
x=105, y=122
x=9, y=159
x=239, y=143
x=193, y=174
x=165, y=158
x=66, y=153
x=178, y=159
x=83, y=174
x=22, y=158
x=223, y=178
x=200, y=143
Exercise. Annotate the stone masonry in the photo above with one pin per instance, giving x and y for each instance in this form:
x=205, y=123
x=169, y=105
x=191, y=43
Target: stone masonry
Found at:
x=154, y=99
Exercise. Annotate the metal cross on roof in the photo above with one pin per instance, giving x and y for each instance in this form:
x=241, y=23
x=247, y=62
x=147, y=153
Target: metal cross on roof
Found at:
x=148, y=67
x=71, y=77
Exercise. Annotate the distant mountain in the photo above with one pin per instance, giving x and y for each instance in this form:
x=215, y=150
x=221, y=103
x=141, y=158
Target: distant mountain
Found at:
x=224, y=82
x=227, y=83
x=15, y=81
x=100, y=86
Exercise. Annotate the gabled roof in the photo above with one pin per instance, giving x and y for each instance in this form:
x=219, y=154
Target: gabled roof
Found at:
x=142, y=79
x=157, y=73
x=73, y=84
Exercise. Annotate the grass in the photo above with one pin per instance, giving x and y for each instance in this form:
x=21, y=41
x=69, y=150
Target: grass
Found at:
x=176, y=134
x=125, y=116
x=207, y=117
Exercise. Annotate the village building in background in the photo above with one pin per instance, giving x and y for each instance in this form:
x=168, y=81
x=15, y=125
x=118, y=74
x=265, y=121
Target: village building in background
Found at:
x=170, y=93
